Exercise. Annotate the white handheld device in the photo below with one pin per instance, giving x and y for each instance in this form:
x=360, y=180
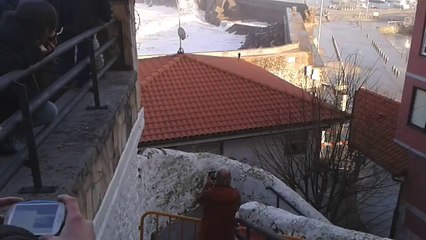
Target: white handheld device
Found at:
x=42, y=218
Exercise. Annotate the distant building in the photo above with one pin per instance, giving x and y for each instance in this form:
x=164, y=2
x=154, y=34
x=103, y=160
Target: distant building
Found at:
x=411, y=133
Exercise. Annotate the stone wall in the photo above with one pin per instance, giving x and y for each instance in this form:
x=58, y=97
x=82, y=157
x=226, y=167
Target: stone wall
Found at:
x=288, y=66
x=80, y=156
x=282, y=222
x=124, y=11
x=94, y=179
x=170, y=181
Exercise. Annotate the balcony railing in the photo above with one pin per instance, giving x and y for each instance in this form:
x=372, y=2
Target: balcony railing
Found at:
x=282, y=198
x=187, y=228
x=22, y=118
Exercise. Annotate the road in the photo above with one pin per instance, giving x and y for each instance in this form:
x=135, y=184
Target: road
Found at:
x=352, y=38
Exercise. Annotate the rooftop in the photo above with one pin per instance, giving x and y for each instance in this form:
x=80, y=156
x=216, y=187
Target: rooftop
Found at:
x=373, y=129
x=187, y=96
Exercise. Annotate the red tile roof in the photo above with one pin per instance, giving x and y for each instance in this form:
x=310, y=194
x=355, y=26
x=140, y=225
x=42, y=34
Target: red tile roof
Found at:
x=373, y=130
x=186, y=96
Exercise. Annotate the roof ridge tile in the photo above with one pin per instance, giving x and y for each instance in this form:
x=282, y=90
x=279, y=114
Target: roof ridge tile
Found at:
x=175, y=59
x=282, y=81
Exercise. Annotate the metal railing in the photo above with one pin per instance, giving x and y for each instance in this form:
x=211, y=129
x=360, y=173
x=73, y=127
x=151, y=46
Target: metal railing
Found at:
x=266, y=235
x=171, y=220
x=181, y=220
x=281, y=197
x=27, y=107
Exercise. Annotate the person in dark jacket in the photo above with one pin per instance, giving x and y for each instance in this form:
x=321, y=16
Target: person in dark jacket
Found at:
x=24, y=40
x=220, y=202
x=75, y=17
x=8, y=5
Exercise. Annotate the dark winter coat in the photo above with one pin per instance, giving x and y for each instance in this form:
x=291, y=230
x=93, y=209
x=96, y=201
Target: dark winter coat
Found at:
x=15, y=53
x=15, y=233
x=219, y=204
x=7, y=5
x=77, y=16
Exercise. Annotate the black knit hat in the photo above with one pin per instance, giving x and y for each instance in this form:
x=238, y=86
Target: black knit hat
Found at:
x=8, y=232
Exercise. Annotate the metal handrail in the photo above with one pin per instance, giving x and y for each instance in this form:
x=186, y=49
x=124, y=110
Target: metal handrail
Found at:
x=27, y=107
x=281, y=197
x=171, y=217
x=8, y=78
x=175, y=218
x=249, y=226
x=13, y=120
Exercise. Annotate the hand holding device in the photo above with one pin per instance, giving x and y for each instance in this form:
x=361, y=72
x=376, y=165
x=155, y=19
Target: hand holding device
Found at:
x=7, y=201
x=212, y=175
x=38, y=217
x=76, y=226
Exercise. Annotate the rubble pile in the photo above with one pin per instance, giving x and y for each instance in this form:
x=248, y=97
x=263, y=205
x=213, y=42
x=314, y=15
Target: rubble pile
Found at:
x=265, y=37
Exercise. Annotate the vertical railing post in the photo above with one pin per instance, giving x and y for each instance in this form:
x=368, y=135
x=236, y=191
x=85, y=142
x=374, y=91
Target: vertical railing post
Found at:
x=94, y=75
x=278, y=201
x=27, y=125
x=29, y=134
x=248, y=233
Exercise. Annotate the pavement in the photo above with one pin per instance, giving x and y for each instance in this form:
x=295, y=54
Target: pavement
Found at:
x=352, y=38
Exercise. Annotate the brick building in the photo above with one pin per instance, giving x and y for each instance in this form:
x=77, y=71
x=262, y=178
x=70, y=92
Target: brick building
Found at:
x=411, y=133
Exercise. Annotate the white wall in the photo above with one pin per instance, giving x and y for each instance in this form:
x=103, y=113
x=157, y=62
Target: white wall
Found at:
x=243, y=149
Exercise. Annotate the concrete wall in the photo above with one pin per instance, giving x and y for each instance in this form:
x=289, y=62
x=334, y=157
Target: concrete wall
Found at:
x=94, y=179
x=244, y=149
x=241, y=149
x=80, y=156
x=111, y=195
x=289, y=66
x=124, y=11
x=282, y=222
x=170, y=181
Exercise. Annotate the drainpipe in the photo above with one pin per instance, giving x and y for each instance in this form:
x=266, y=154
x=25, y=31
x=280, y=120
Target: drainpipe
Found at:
x=396, y=211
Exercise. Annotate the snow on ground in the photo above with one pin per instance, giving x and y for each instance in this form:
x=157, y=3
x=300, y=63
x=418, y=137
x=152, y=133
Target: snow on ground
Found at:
x=170, y=181
x=157, y=30
x=283, y=222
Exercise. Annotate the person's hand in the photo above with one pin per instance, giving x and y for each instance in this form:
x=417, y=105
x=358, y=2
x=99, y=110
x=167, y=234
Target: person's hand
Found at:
x=7, y=201
x=47, y=47
x=76, y=226
x=209, y=183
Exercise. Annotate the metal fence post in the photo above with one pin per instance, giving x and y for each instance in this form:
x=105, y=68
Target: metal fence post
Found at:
x=29, y=134
x=33, y=162
x=94, y=76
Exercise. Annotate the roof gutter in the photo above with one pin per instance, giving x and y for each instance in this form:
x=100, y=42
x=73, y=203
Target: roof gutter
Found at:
x=208, y=139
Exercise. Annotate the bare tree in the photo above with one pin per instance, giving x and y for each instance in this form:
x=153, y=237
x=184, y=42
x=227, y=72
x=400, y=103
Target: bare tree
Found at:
x=314, y=159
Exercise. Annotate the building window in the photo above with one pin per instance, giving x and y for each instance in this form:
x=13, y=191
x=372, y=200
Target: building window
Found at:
x=418, y=109
x=423, y=50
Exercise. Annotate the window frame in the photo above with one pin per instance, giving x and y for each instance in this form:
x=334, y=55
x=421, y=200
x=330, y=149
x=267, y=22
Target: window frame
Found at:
x=423, y=43
x=410, y=115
